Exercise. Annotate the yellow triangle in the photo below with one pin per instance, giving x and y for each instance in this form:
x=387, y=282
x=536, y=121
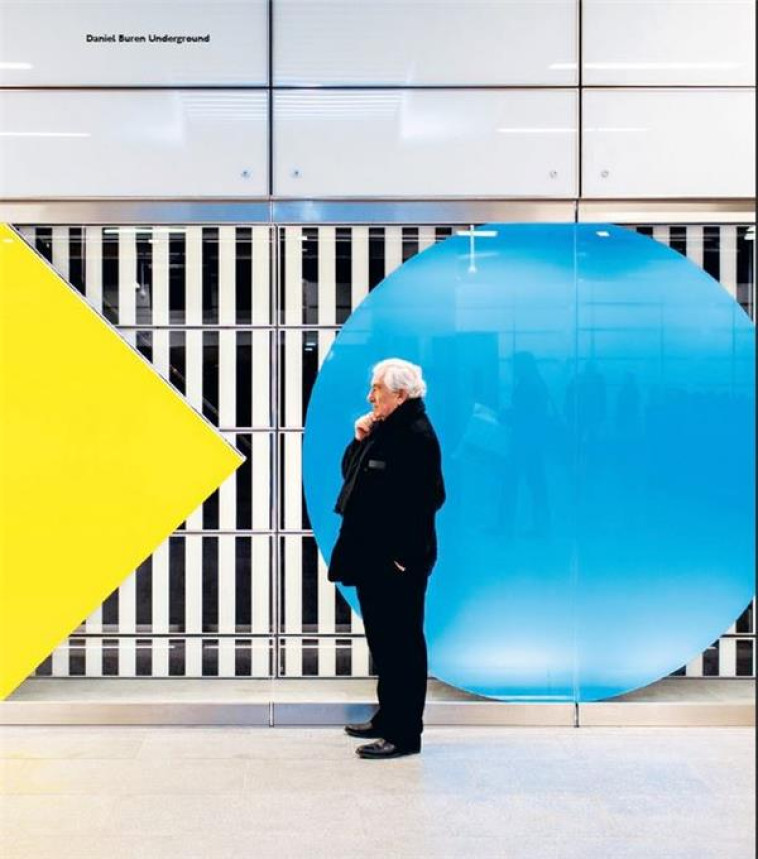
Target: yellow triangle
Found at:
x=100, y=459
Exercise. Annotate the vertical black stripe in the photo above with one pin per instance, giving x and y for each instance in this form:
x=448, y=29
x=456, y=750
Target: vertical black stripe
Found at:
x=210, y=252
x=210, y=359
x=76, y=271
x=244, y=379
x=110, y=275
x=376, y=256
x=309, y=584
x=178, y=360
x=43, y=242
x=210, y=584
x=177, y=277
x=310, y=364
x=110, y=657
x=745, y=269
x=110, y=611
x=310, y=276
x=712, y=251
x=211, y=512
x=243, y=584
x=176, y=583
x=177, y=658
x=243, y=268
x=243, y=659
x=243, y=479
x=745, y=658
x=209, y=658
x=76, y=657
x=145, y=344
x=343, y=273
x=144, y=296
x=678, y=240
x=144, y=594
x=144, y=661
x=711, y=660
x=410, y=242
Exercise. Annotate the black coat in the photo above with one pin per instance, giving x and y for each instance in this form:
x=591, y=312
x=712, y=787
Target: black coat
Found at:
x=393, y=488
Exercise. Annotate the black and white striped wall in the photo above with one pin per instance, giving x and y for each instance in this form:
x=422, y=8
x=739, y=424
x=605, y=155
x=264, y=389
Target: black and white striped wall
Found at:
x=238, y=319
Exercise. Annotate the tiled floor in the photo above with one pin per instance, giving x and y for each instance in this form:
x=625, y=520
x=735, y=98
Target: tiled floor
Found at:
x=223, y=793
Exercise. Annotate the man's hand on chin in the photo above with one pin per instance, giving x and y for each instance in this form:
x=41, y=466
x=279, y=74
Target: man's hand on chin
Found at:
x=363, y=426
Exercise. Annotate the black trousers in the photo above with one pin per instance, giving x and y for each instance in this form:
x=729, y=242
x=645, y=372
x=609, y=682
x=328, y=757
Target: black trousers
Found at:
x=392, y=605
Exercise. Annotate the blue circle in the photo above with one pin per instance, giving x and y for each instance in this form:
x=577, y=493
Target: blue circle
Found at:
x=593, y=392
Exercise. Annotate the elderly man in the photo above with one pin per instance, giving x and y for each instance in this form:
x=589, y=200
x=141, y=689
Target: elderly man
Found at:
x=387, y=547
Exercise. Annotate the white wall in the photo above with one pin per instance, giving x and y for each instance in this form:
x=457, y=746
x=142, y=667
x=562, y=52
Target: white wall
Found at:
x=127, y=143
x=44, y=42
x=668, y=143
x=400, y=98
x=422, y=42
x=669, y=42
x=390, y=143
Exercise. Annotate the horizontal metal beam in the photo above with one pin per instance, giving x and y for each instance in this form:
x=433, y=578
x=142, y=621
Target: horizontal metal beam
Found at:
x=736, y=211
x=276, y=211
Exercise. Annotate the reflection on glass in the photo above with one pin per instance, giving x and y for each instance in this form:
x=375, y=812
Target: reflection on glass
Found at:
x=593, y=395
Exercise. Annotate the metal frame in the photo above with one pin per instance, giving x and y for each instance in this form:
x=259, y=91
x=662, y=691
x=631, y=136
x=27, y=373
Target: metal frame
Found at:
x=279, y=211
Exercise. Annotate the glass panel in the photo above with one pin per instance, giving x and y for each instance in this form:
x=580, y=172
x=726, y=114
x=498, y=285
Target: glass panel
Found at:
x=426, y=143
x=240, y=590
x=506, y=42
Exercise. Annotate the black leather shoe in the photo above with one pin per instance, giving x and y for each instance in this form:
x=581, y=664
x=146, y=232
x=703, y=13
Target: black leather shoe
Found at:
x=363, y=730
x=383, y=749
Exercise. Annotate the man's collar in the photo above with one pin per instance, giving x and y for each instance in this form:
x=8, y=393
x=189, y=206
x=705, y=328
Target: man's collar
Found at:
x=405, y=413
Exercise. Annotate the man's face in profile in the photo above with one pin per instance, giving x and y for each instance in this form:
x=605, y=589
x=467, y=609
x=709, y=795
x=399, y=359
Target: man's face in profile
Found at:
x=383, y=400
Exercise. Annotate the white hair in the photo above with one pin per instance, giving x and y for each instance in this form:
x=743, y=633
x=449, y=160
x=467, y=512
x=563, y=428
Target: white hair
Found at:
x=400, y=375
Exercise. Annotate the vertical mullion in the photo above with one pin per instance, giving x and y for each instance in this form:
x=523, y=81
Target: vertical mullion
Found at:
x=426, y=238
x=728, y=268
x=661, y=234
x=127, y=277
x=161, y=352
x=260, y=374
x=194, y=276
x=227, y=502
x=728, y=657
x=694, y=667
x=227, y=281
x=161, y=277
x=160, y=618
x=227, y=588
x=360, y=657
x=261, y=272
x=293, y=606
x=327, y=661
x=127, y=625
x=393, y=249
x=260, y=611
x=695, y=244
x=261, y=477
x=194, y=395
x=325, y=340
x=93, y=267
x=61, y=254
x=293, y=276
x=293, y=476
x=93, y=650
x=359, y=261
x=60, y=661
x=193, y=604
x=227, y=378
x=327, y=276
x=293, y=380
